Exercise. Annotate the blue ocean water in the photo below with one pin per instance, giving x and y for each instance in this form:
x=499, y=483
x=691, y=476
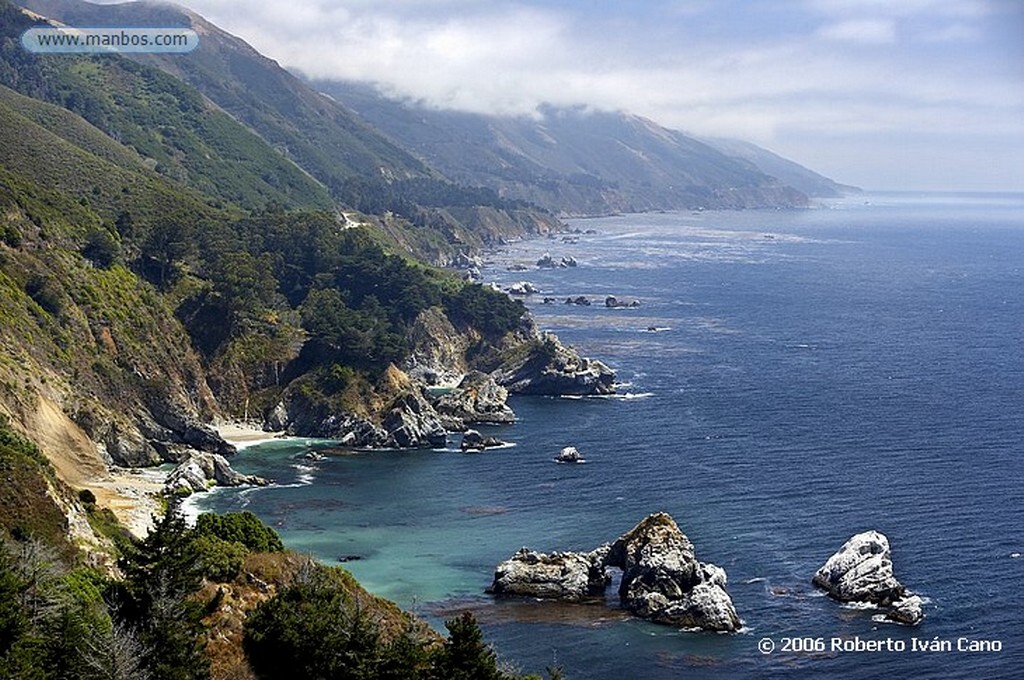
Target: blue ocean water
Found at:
x=792, y=378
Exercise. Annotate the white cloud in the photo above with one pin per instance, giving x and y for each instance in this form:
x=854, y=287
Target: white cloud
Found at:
x=856, y=67
x=866, y=31
x=954, y=32
x=963, y=9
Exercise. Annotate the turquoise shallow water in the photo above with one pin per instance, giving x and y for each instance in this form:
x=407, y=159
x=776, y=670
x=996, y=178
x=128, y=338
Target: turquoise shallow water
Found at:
x=815, y=374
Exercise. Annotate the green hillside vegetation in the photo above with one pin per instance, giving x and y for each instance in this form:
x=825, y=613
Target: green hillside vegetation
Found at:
x=355, y=163
x=167, y=123
x=326, y=140
x=27, y=505
x=276, y=281
x=126, y=192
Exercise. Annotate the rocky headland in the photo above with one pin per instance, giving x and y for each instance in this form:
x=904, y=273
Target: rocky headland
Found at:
x=662, y=580
x=452, y=380
x=544, y=366
x=861, y=571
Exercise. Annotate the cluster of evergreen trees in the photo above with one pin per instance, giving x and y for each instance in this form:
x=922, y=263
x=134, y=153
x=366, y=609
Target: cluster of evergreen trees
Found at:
x=257, y=287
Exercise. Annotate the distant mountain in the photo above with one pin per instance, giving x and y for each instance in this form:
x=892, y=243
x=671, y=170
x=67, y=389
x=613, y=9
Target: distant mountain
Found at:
x=785, y=170
x=574, y=161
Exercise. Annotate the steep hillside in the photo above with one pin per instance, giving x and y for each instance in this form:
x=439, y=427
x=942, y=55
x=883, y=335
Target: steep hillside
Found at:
x=326, y=140
x=56, y=149
x=787, y=171
x=136, y=310
x=169, y=126
x=357, y=165
x=571, y=160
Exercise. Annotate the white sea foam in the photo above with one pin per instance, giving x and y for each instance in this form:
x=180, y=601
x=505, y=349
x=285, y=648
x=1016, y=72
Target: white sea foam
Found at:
x=624, y=396
x=189, y=508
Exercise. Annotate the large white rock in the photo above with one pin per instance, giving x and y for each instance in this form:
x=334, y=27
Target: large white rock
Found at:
x=661, y=577
x=862, y=571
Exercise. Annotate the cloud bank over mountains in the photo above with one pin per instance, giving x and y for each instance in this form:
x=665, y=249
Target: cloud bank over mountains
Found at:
x=932, y=83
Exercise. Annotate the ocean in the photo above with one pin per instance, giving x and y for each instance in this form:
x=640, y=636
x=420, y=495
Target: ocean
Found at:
x=790, y=378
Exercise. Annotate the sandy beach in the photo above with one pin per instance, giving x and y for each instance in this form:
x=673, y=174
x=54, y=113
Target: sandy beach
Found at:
x=243, y=435
x=133, y=494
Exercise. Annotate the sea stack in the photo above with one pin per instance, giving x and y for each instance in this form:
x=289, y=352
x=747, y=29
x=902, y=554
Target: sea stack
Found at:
x=661, y=578
x=663, y=581
x=861, y=571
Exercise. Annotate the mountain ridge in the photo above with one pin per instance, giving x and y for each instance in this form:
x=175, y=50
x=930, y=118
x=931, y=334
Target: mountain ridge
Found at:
x=579, y=161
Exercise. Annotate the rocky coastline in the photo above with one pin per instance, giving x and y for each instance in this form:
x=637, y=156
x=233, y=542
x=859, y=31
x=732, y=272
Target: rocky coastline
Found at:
x=438, y=390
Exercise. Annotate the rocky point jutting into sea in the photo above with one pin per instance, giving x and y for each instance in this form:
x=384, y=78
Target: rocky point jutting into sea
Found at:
x=446, y=385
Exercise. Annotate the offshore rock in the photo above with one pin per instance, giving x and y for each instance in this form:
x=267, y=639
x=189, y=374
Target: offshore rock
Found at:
x=559, y=575
x=661, y=577
x=477, y=399
x=663, y=581
x=861, y=571
x=907, y=611
x=613, y=302
x=523, y=288
x=547, y=262
x=550, y=368
x=474, y=441
x=199, y=471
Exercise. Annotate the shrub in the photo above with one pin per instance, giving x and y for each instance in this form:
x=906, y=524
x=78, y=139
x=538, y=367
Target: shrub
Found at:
x=465, y=655
x=491, y=312
x=101, y=248
x=218, y=559
x=45, y=292
x=239, y=527
x=312, y=630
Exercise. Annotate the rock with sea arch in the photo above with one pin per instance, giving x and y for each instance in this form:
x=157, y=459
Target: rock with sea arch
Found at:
x=661, y=581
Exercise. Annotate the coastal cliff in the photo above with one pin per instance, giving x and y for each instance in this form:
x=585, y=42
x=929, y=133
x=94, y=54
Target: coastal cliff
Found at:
x=452, y=379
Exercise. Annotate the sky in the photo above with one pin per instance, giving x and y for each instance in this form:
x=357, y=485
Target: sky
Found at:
x=883, y=94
